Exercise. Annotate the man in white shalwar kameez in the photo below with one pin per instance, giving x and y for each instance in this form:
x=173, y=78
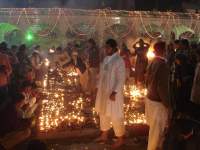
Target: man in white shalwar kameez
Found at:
x=110, y=100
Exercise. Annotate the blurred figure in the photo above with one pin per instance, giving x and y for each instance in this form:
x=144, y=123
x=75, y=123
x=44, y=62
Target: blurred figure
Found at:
x=184, y=47
x=69, y=48
x=13, y=57
x=36, y=62
x=184, y=129
x=125, y=54
x=182, y=77
x=13, y=128
x=4, y=48
x=170, y=55
x=183, y=135
x=24, y=62
x=192, y=54
x=30, y=102
x=5, y=72
x=157, y=102
x=110, y=99
x=61, y=57
x=22, y=55
x=14, y=138
x=141, y=49
x=81, y=69
x=41, y=52
x=177, y=45
x=195, y=95
x=93, y=64
x=11, y=116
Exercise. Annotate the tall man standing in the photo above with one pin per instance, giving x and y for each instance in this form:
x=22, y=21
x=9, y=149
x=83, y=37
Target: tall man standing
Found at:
x=110, y=100
x=157, y=102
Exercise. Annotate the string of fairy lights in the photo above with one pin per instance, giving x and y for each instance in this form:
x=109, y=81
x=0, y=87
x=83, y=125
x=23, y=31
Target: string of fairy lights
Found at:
x=191, y=20
x=66, y=108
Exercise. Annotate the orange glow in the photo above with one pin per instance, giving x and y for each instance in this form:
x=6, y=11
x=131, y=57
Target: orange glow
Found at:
x=150, y=53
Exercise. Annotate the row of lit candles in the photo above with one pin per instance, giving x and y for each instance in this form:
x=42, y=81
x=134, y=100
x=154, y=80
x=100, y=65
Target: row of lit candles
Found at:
x=53, y=111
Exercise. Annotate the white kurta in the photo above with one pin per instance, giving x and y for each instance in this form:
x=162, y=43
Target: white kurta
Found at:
x=112, y=78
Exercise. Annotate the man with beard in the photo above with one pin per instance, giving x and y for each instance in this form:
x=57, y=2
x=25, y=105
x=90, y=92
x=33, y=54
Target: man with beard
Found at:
x=110, y=100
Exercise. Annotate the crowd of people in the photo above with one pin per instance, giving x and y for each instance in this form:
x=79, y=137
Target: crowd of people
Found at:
x=172, y=103
x=172, y=79
x=22, y=71
x=19, y=98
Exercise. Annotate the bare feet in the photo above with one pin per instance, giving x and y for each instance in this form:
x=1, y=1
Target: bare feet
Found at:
x=118, y=144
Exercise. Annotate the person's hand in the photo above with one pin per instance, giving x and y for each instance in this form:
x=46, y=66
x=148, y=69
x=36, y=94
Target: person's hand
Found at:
x=112, y=96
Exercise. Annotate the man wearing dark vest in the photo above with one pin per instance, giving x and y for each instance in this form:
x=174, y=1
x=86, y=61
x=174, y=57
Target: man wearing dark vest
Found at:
x=157, y=101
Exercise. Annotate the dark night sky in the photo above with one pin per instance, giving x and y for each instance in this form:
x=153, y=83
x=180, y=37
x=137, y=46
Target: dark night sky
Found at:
x=94, y=4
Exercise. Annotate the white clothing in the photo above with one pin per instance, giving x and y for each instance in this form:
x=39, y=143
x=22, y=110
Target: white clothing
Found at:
x=28, y=113
x=32, y=106
x=32, y=101
x=26, y=97
x=112, y=78
x=118, y=125
x=36, y=61
x=157, y=119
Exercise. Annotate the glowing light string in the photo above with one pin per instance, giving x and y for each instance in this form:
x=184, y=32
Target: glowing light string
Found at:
x=195, y=26
x=111, y=30
x=18, y=20
x=54, y=26
x=27, y=18
x=143, y=25
x=75, y=30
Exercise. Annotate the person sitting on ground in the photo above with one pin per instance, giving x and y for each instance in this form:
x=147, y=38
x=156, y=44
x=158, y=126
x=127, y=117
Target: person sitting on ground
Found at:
x=30, y=102
x=14, y=129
